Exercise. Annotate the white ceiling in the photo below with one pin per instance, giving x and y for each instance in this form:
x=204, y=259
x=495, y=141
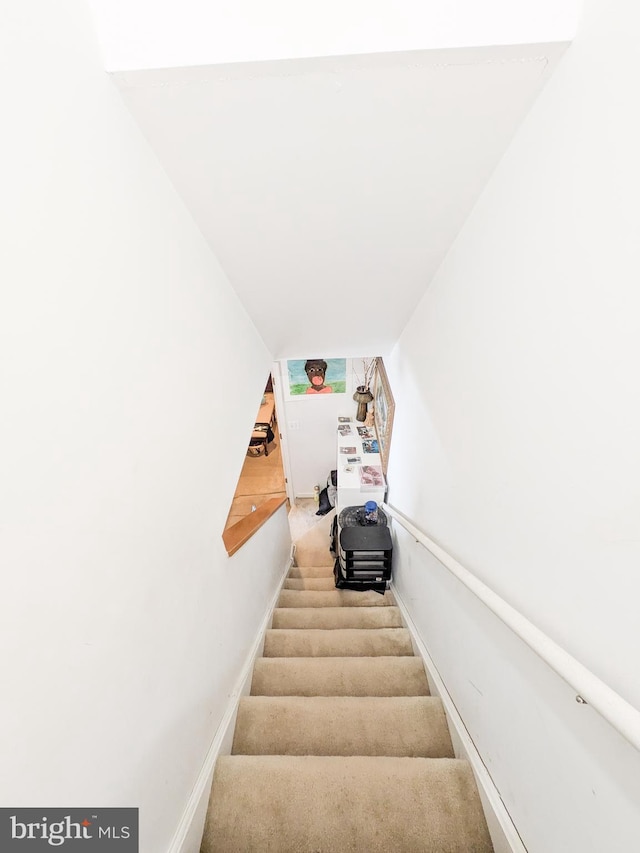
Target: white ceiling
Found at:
x=331, y=189
x=140, y=34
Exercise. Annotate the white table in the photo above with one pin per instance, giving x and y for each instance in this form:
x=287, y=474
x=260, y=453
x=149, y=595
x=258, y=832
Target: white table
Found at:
x=351, y=490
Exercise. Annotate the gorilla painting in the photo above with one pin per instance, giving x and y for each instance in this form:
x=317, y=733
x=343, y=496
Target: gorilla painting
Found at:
x=316, y=368
x=312, y=377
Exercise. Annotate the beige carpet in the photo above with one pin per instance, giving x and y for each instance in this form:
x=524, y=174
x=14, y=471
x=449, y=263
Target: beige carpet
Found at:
x=412, y=726
x=339, y=747
x=302, y=517
x=312, y=549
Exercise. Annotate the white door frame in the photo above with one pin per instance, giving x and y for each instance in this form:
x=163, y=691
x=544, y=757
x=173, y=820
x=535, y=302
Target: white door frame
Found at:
x=278, y=390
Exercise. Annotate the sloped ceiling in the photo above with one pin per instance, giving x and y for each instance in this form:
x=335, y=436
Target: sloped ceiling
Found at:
x=331, y=189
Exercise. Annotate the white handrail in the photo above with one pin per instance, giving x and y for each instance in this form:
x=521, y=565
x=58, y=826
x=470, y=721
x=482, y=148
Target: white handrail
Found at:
x=590, y=689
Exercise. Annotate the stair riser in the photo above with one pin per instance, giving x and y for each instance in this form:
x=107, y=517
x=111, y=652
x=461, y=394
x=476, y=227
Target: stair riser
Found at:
x=395, y=676
x=348, y=642
x=311, y=572
x=329, y=618
x=336, y=598
x=310, y=583
x=409, y=727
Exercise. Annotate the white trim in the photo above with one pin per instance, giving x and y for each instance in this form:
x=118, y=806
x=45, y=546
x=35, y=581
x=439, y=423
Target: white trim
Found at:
x=504, y=834
x=590, y=690
x=192, y=821
x=281, y=423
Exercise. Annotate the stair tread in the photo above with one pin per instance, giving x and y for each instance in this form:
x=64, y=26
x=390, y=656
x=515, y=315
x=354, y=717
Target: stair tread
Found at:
x=410, y=726
x=311, y=572
x=331, y=804
x=324, y=583
x=334, y=598
x=337, y=617
x=339, y=676
x=346, y=642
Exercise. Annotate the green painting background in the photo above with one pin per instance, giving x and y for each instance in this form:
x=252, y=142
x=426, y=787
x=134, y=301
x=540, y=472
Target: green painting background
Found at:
x=336, y=376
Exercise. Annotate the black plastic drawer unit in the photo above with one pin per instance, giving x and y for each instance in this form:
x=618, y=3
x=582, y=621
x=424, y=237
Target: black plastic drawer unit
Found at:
x=365, y=553
x=362, y=550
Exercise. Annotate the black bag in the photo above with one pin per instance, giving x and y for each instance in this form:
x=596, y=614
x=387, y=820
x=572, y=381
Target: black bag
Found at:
x=326, y=504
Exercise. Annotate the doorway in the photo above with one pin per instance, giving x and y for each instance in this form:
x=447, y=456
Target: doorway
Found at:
x=263, y=471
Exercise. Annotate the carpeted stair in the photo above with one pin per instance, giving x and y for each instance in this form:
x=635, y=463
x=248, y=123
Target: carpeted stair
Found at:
x=339, y=747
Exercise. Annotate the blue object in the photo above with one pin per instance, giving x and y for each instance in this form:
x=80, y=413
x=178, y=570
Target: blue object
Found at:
x=371, y=512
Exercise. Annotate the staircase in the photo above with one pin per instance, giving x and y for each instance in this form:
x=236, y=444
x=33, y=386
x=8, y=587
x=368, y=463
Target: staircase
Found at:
x=339, y=747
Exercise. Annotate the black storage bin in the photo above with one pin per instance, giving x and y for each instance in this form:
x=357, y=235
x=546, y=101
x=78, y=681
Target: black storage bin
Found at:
x=363, y=551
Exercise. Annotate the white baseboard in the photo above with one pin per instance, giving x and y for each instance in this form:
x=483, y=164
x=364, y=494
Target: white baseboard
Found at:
x=190, y=828
x=504, y=834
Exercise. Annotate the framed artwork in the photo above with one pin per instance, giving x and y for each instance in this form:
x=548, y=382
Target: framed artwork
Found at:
x=383, y=409
x=313, y=377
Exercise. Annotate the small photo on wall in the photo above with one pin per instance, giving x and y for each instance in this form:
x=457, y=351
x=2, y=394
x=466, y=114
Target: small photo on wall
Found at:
x=314, y=376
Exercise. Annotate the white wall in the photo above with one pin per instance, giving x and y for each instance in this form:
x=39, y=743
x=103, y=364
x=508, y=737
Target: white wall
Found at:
x=129, y=379
x=146, y=34
x=569, y=781
x=517, y=400
x=269, y=547
x=309, y=424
